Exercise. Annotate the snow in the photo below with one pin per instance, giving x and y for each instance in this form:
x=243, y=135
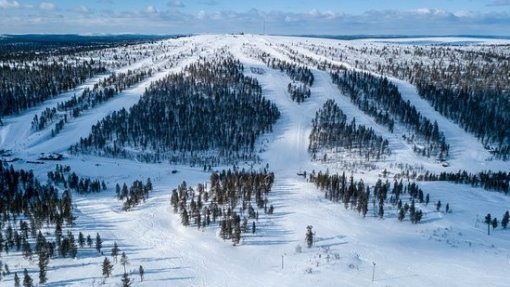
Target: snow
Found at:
x=444, y=250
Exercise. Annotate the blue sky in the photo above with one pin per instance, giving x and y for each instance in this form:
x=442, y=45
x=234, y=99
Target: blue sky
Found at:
x=334, y=17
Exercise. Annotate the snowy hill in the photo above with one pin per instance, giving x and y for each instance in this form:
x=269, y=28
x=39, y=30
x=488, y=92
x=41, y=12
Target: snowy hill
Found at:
x=444, y=249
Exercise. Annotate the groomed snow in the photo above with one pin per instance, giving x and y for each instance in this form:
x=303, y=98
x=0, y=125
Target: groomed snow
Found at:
x=443, y=250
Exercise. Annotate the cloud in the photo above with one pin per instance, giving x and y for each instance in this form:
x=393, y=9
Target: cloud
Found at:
x=47, y=6
x=424, y=21
x=151, y=10
x=6, y=4
x=499, y=3
x=175, y=4
x=201, y=15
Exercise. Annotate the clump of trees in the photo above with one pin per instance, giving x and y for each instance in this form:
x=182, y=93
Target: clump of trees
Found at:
x=494, y=223
x=381, y=99
x=298, y=93
x=296, y=72
x=301, y=76
x=490, y=106
x=63, y=175
x=356, y=195
x=28, y=211
x=330, y=130
x=134, y=195
x=489, y=180
x=209, y=114
x=25, y=85
x=232, y=199
x=102, y=91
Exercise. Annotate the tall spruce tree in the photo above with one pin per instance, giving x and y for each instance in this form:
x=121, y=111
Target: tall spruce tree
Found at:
x=99, y=243
x=107, y=268
x=27, y=280
x=505, y=219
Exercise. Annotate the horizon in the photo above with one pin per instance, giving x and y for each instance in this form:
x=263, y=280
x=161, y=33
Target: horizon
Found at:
x=302, y=17
x=325, y=36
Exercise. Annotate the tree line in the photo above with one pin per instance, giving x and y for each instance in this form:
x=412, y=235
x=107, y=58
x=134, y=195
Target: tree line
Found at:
x=24, y=85
x=102, y=91
x=357, y=195
x=381, y=99
x=63, y=175
x=210, y=113
x=489, y=180
x=296, y=72
x=330, y=130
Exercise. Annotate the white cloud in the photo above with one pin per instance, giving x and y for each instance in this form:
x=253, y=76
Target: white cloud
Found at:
x=6, y=4
x=151, y=10
x=425, y=21
x=314, y=12
x=429, y=11
x=201, y=15
x=48, y=6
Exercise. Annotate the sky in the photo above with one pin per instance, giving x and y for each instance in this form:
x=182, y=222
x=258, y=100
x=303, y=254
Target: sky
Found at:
x=287, y=17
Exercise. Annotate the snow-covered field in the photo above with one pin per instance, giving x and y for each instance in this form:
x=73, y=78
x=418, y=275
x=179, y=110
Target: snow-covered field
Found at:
x=443, y=250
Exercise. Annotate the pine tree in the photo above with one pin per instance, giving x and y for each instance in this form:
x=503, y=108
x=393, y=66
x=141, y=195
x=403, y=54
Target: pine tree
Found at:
x=401, y=214
x=184, y=217
x=236, y=235
x=488, y=221
x=81, y=240
x=494, y=223
x=505, y=220
x=107, y=268
x=141, y=271
x=27, y=250
x=115, y=251
x=73, y=248
x=27, y=280
x=381, y=211
x=16, y=280
x=43, y=265
x=417, y=216
x=124, y=260
x=117, y=191
x=126, y=282
x=309, y=237
x=99, y=243
x=89, y=241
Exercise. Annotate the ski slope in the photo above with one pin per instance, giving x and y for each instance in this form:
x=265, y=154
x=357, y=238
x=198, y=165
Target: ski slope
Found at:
x=443, y=250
